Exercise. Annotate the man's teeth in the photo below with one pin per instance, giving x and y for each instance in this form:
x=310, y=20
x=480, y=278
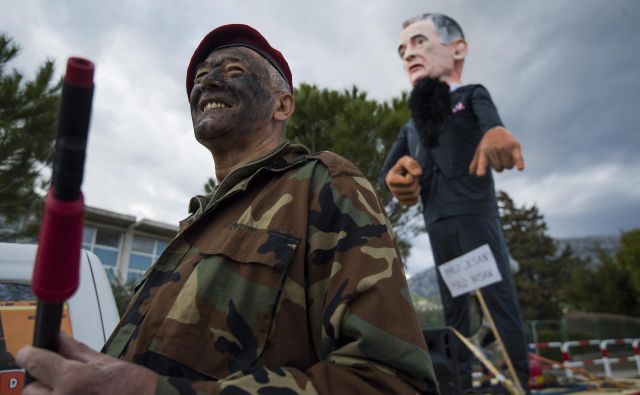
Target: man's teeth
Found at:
x=209, y=106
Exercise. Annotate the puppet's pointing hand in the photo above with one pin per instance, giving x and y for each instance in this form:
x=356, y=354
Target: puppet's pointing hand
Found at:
x=403, y=180
x=498, y=147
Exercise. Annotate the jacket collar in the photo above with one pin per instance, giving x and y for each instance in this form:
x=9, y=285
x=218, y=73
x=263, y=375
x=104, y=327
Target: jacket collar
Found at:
x=283, y=157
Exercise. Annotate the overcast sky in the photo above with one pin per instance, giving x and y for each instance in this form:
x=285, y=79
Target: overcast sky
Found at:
x=563, y=73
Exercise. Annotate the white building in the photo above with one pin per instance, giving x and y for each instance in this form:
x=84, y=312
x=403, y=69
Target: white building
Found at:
x=126, y=246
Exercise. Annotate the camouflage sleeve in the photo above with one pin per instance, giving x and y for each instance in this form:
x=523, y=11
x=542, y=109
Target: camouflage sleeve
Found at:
x=364, y=330
x=368, y=337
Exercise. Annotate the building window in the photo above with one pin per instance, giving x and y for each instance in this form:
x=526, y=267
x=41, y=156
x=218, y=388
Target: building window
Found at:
x=144, y=252
x=88, y=238
x=105, y=243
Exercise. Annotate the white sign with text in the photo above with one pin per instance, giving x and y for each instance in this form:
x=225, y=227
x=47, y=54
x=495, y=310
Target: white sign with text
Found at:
x=473, y=270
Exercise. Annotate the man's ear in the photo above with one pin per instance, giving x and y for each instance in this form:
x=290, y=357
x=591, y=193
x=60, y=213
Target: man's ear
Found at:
x=459, y=49
x=285, y=104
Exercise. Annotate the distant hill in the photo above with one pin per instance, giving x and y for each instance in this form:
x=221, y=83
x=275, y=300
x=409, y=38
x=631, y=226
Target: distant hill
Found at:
x=587, y=247
x=425, y=283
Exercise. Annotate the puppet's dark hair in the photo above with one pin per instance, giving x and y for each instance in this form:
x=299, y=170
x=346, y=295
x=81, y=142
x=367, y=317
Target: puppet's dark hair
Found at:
x=447, y=28
x=430, y=106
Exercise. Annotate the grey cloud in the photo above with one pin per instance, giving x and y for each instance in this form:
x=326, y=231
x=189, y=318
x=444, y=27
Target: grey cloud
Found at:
x=563, y=74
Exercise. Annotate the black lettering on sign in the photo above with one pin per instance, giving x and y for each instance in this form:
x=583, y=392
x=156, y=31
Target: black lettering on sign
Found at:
x=461, y=283
x=452, y=269
x=481, y=276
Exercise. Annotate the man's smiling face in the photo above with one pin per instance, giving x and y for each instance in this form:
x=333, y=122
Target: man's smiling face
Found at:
x=231, y=95
x=423, y=53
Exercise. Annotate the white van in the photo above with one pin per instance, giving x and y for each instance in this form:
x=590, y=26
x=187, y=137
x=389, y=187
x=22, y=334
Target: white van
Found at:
x=90, y=315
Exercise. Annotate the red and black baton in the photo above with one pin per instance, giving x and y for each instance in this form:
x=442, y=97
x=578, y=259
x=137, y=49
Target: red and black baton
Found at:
x=56, y=272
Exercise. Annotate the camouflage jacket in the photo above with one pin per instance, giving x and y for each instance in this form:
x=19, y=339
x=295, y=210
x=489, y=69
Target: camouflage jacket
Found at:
x=286, y=280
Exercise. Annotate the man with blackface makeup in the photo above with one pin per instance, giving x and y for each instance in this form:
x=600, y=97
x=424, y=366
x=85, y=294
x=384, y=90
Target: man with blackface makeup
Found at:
x=441, y=156
x=284, y=280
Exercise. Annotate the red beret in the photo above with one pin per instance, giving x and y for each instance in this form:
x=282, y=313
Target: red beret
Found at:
x=237, y=35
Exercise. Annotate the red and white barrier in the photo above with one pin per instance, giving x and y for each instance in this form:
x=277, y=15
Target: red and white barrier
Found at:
x=602, y=346
x=535, y=347
x=566, y=357
x=607, y=361
x=635, y=346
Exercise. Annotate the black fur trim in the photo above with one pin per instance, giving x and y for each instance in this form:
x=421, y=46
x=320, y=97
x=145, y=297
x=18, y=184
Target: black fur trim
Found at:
x=430, y=106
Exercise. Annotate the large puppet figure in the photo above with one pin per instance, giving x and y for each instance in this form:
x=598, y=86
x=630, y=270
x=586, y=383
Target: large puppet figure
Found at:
x=442, y=156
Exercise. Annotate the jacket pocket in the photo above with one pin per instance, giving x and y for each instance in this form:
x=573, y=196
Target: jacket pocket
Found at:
x=220, y=320
x=145, y=292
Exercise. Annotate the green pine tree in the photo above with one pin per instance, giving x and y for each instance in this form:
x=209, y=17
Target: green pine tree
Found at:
x=544, y=272
x=27, y=117
x=359, y=129
x=122, y=293
x=629, y=256
x=210, y=186
x=609, y=287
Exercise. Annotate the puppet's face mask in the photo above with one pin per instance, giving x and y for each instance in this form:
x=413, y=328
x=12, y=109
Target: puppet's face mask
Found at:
x=424, y=54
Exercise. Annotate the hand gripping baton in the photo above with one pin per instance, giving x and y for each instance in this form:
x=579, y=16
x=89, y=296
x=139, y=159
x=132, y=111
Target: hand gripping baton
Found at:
x=57, y=268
